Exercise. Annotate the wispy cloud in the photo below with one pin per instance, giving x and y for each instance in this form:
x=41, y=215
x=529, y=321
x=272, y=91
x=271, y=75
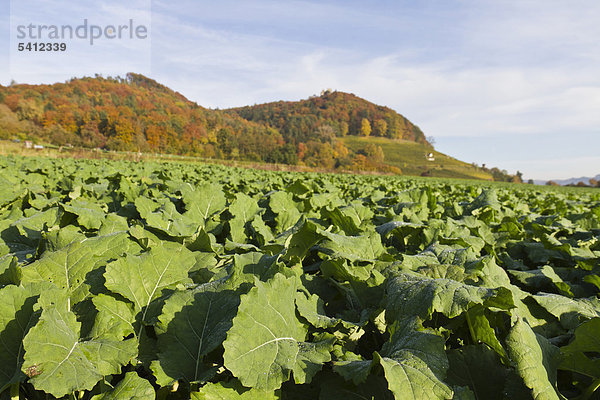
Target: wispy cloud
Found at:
x=107, y=56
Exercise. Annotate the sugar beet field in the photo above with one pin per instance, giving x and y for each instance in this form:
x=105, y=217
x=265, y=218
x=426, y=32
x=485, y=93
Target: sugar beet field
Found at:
x=173, y=281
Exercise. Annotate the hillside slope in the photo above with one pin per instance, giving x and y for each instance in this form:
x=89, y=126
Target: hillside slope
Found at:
x=334, y=131
x=378, y=135
x=332, y=114
x=411, y=158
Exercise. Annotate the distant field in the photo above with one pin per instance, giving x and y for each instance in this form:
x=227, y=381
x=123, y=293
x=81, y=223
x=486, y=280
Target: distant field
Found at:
x=406, y=155
x=410, y=157
x=52, y=151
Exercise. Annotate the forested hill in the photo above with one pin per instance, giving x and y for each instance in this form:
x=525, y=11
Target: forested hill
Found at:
x=332, y=114
x=133, y=113
x=136, y=113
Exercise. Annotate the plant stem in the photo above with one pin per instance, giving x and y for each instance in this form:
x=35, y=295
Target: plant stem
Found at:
x=590, y=390
x=14, y=391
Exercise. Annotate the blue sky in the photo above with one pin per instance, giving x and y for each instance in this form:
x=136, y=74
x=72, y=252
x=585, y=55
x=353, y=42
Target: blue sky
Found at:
x=513, y=84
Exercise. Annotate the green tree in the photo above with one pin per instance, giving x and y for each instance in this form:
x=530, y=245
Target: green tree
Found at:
x=380, y=127
x=393, y=128
x=343, y=128
x=518, y=177
x=365, y=127
x=373, y=152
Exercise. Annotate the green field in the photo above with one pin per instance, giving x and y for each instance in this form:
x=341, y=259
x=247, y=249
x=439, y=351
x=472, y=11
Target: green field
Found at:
x=406, y=155
x=410, y=157
x=171, y=280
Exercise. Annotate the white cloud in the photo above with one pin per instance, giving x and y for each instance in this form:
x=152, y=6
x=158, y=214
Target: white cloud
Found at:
x=515, y=68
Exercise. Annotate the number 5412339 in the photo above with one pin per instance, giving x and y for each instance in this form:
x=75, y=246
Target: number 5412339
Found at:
x=35, y=46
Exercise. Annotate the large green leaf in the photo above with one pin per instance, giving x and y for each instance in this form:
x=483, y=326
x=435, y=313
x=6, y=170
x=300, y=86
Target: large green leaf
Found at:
x=17, y=316
x=89, y=215
x=411, y=379
x=287, y=214
x=570, y=312
x=311, y=308
x=413, y=360
x=249, y=266
x=353, y=248
x=163, y=215
x=487, y=198
x=57, y=362
x=33, y=223
x=10, y=272
x=229, y=391
x=10, y=192
x=356, y=371
x=535, y=360
x=410, y=295
x=349, y=218
x=414, y=363
x=113, y=223
x=346, y=223
x=20, y=235
x=261, y=232
x=68, y=268
x=408, y=338
x=193, y=323
x=577, y=355
x=344, y=271
x=203, y=201
x=143, y=278
x=114, y=320
x=265, y=342
x=541, y=277
x=478, y=368
x=482, y=331
x=243, y=209
x=303, y=236
x=131, y=387
x=310, y=359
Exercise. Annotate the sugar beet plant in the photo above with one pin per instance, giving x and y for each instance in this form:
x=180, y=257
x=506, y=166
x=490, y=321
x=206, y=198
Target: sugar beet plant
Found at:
x=170, y=281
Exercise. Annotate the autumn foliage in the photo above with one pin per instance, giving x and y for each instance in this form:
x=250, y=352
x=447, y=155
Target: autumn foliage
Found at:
x=136, y=113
